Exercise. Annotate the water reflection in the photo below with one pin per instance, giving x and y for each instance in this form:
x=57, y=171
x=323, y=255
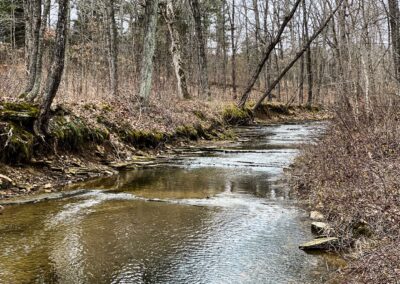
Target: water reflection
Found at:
x=219, y=218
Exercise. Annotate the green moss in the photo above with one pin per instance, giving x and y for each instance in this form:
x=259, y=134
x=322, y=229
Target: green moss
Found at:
x=141, y=139
x=187, y=131
x=106, y=107
x=200, y=115
x=235, y=116
x=18, y=112
x=72, y=133
x=16, y=143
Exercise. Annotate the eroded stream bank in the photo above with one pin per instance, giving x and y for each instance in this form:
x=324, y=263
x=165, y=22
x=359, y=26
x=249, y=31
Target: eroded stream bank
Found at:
x=221, y=216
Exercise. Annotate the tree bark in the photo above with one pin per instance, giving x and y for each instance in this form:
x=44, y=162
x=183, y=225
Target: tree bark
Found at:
x=56, y=70
x=205, y=88
x=170, y=18
x=394, y=20
x=257, y=50
x=266, y=55
x=233, y=47
x=149, y=46
x=112, y=47
x=39, y=65
x=28, y=32
x=221, y=53
x=34, y=40
x=308, y=57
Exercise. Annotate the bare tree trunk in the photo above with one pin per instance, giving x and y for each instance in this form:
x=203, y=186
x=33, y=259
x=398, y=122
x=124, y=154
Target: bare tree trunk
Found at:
x=39, y=66
x=112, y=47
x=301, y=83
x=394, y=20
x=56, y=70
x=246, y=29
x=308, y=57
x=301, y=67
x=170, y=18
x=34, y=39
x=27, y=4
x=298, y=56
x=257, y=19
x=266, y=55
x=149, y=46
x=257, y=51
x=267, y=39
x=225, y=52
x=12, y=28
x=205, y=88
x=233, y=47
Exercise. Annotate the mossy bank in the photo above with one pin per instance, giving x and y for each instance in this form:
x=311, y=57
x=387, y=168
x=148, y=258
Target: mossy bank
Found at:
x=84, y=145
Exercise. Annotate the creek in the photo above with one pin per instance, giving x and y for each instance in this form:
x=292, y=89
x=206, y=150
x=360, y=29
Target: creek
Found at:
x=211, y=215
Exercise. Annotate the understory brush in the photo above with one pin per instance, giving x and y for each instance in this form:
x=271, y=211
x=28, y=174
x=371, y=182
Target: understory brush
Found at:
x=352, y=175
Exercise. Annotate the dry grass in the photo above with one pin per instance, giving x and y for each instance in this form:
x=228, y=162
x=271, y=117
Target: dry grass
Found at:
x=352, y=175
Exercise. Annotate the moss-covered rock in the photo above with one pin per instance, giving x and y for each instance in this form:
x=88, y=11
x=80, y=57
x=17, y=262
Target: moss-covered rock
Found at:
x=18, y=112
x=233, y=115
x=16, y=143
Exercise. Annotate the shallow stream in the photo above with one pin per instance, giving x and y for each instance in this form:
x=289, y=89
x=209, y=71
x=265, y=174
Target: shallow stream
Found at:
x=215, y=215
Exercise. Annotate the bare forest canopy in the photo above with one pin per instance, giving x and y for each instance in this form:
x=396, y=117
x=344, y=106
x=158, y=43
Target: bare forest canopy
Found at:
x=291, y=51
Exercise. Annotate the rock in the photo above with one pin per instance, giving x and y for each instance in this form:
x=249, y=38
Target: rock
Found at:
x=320, y=244
x=319, y=228
x=316, y=216
x=5, y=181
x=56, y=169
x=48, y=191
x=1, y=209
x=47, y=186
x=25, y=187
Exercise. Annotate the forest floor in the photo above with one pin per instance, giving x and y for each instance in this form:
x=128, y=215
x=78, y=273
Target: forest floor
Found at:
x=352, y=176
x=97, y=139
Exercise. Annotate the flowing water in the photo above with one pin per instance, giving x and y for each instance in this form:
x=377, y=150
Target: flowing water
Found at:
x=209, y=216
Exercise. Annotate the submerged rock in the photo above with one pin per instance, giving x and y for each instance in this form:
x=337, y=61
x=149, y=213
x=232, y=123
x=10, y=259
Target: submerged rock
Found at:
x=320, y=244
x=316, y=216
x=1, y=209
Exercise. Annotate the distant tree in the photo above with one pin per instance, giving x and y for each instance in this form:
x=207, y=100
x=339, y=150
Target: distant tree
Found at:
x=394, y=20
x=12, y=25
x=308, y=55
x=168, y=12
x=112, y=36
x=201, y=47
